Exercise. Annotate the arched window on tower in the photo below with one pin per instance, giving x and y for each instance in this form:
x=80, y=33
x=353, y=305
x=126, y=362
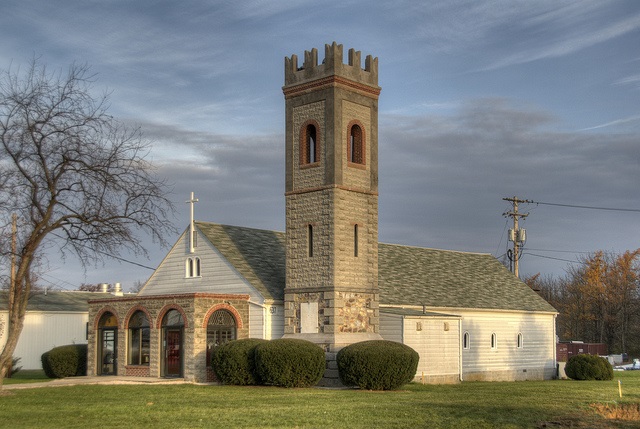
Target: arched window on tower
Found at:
x=356, y=145
x=311, y=144
x=309, y=147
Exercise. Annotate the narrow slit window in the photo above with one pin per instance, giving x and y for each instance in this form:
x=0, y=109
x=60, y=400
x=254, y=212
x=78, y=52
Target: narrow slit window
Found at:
x=188, y=267
x=465, y=341
x=310, y=240
x=494, y=341
x=355, y=240
x=197, y=267
x=519, y=340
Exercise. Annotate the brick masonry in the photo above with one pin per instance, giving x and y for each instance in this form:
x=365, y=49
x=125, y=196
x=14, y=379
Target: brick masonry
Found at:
x=196, y=309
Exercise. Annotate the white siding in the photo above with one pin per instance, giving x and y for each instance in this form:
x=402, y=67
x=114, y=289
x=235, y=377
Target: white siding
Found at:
x=437, y=340
x=217, y=274
x=537, y=353
x=256, y=321
x=391, y=327
x=275, y=321
x=44, y=331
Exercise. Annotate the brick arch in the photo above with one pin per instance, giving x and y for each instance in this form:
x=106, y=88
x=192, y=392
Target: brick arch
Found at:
x=132, y=310
x=363, y=142
x=302, y=148
x=166, y=309
x=231, y=309
x=101, y=312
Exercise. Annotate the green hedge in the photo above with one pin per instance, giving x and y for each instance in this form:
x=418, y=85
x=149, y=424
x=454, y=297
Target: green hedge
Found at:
x=234, y=362
x=65, y=361
x=289, y=363
x=377, y=365
x=588, y=367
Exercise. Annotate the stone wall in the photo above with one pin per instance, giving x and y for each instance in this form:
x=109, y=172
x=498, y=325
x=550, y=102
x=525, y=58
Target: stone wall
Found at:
x=196, y=310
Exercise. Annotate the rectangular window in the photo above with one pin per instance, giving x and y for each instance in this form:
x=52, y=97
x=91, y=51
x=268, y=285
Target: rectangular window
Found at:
x=310, y=240
x=355, y=240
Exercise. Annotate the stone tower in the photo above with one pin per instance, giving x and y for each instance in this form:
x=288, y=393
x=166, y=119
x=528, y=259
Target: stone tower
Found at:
x=331, y=294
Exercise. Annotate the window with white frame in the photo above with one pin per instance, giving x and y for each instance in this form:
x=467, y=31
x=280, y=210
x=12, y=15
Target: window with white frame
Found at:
x=466, y=341
x=519, y=341
x=494, y=341
x=192, y=267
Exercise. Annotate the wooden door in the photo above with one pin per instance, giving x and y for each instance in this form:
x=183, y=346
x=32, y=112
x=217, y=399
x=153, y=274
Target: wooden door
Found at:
x=173, y=353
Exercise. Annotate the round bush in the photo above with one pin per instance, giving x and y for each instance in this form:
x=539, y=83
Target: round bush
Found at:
x=65, y=361
x=234, y=363
x=377, y=365
x=588, y=367
x=289, y=363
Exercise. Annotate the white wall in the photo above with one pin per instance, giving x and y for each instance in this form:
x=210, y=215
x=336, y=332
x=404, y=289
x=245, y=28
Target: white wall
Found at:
x=535, y=359
x=437, y=340
x=217, y=274
x=44, y=331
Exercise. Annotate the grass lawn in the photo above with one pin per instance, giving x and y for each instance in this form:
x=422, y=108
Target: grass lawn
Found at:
x=27, y=376
x=550, y=404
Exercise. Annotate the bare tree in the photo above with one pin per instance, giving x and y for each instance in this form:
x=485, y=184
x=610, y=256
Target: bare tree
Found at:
x=77, y=180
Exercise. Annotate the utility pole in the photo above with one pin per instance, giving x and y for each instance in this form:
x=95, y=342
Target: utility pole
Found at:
x=517, y=235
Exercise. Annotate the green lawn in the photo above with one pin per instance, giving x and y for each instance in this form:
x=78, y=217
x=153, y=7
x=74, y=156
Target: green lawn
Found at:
x=552, y=404
x=27, y=376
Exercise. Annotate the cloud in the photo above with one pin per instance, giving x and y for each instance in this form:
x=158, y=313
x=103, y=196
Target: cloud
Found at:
x=442, y=178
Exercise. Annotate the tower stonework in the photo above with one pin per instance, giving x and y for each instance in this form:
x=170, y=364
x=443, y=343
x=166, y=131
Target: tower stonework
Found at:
x=331, y=294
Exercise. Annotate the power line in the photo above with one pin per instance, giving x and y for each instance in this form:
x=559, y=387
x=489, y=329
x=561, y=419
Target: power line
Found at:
x=585, y=207
x=555, y=259
x=557, y=251
x=110, y=255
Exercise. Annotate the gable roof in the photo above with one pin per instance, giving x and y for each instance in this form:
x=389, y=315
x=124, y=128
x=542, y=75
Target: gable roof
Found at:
x=71, y=301
x=406, y=275
x=257, y=254
x=444, y=278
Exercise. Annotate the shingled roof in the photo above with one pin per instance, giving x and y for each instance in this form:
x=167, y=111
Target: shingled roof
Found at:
x=407, y=275
x=257, y=254
x=444, y=278
x=71, y=301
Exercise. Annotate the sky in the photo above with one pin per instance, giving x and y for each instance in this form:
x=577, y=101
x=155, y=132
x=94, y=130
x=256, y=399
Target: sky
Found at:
x=481, y=100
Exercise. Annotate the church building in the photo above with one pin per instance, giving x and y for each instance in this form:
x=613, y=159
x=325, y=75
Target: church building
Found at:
x=326, y=279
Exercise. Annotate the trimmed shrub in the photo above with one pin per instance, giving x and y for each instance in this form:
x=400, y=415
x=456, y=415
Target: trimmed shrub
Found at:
x=588, y=367
x=234, y=362
x=289, y=363
x=65, y=361
x=377, y=365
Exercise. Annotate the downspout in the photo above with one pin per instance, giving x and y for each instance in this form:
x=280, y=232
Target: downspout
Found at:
x=460, y=349
x=555, y=341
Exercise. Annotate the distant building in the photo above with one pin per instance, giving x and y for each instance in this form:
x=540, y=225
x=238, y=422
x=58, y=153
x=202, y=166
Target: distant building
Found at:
x=326, y=279
x=53, y=319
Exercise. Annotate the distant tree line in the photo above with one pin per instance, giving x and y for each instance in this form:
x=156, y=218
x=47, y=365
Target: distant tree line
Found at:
x=598, y=300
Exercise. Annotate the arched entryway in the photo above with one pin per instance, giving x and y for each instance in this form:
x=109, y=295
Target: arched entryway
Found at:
x=172, y=344
x=107, y=344
x=220, y=329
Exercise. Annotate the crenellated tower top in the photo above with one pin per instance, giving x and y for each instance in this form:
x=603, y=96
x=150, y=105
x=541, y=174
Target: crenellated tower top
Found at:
x=332, y=67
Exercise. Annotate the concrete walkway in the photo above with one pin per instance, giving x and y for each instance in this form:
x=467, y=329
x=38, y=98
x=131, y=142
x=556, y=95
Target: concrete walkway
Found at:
x=73, y=381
